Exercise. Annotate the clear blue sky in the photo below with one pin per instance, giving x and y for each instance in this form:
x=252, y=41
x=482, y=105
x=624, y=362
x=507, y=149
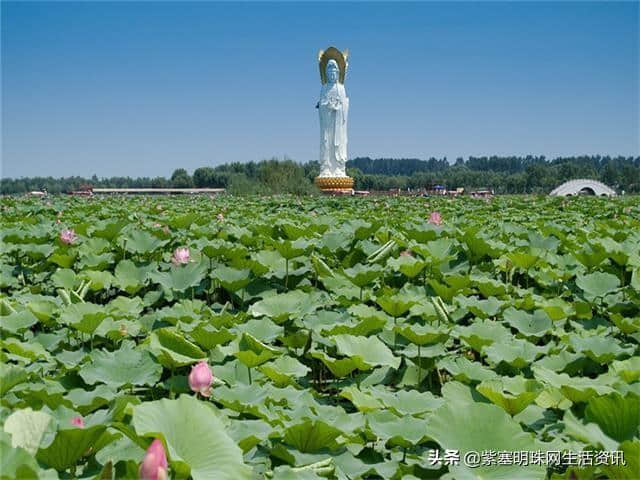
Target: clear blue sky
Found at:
x=143, y=88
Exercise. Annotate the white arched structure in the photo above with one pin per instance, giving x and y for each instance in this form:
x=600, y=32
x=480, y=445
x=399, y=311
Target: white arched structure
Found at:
x=583, y=185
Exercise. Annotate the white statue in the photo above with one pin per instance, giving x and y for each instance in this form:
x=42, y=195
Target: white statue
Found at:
x=334, y=111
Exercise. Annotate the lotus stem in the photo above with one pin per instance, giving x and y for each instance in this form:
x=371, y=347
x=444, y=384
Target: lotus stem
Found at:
x=419, y=367
x=249, y=370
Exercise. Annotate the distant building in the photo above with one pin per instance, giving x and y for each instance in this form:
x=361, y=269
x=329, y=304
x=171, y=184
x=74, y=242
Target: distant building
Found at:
x=583, y=186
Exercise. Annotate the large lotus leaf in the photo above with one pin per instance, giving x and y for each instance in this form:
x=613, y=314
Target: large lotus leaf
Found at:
x=397, y=304
x=311, y=435
x=340, y=367
x=125, y=366
x=65, y=278
x=293, y=249
x=30, y=429
x=173, y=350
x=281, y=307
x=483, y=333
x=69, y=445
x=366, y=352
x=209, y=337
x=625, y=324
x=30, y=350
x=122, y=449
x=232, y=279
x=600, y=349
x=18, y=321
x=628, y=370
x=284, y=370
x=407, y=265
x=196, y=438
x=522, y=260
x=631, y=469
x=482, y=427
x=249, y=433
x=404, y=431
x=576, y=389
x=617, y=416
x=131, y=278
x=407, y=402
x=482, y=308
x=597, y=284
x=464, y=370
x=84, y=317
x=181, y=277
x=142, y=242
x=363, y=401
x=513, y=394
x=536, y=324
x=363, y=275
x=517, y=353
x=97, y=280
x=108, y=229
x=589, y=433
x=88, y=401
x=363, y=327
x=252, y=352
x=423, y=334
x=17, y=463
x=439, y=250
x=262, y=328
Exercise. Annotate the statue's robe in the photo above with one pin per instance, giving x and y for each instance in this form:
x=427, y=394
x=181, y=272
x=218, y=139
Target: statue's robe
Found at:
x=334, y=109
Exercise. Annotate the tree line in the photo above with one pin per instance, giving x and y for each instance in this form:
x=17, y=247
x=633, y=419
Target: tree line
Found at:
x=530, y=174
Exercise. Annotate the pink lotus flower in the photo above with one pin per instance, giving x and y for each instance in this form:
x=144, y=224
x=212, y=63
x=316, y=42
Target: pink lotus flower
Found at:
x=180, y=256
x=154, y=465
x=77, y=422
x=68, y=236
x=435, y=218
x=201, y=378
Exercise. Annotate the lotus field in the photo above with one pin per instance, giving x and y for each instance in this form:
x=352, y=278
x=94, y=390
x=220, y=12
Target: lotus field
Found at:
x=231, y=338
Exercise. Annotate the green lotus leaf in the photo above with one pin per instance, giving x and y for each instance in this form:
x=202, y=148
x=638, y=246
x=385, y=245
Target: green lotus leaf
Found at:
x=617, y=416
x=423, y=334
x=631, y=469
x=249, y=433
x=123, y=449
x=97, y=280
x=576, y=389
x=589, y=433
x=597, y=284
x=42, y=309
x=407, y=402
x=142, y=242
x=311, y=435
x=69, y=446
x=232, y=279
x=173, y=350
x=108, y=229
x=179, y=278
x=397, y=304
x=84, y=317
x=208, y=337
x=407, y=265
x=284, y=370
x=65, y=278
x=18, y=321
x=483, y=333
x=513, y=394
x=600, y=349
x=196, y=439
x=293, y=304
x=366, y=352
x=125, y=366
x=626, y=325
x=17, y=463
x=30, y=429
x=294, y=249
x=252, y=352
x=88, y=401
x=362, y=275
x=340, y=367
x=536, y=324
x=405, y=431
x=517, y=353
x=482, y=308
x=628, y=370
x=523, y=260
x=27, y=350
x=131, y=278
x=363, y=401
x=464, y=370
x=478, y=427
x=62, y=259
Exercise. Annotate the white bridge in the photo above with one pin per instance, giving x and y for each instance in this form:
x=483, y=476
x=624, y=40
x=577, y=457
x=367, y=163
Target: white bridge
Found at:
x=583, y=186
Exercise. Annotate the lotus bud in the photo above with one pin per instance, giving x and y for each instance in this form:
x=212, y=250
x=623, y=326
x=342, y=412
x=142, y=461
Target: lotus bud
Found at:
x=68, y=236
x=180, y=256
x=201, y=378
x=77, y=422
x=154, y=465
x=435, y=218
x=220, y=217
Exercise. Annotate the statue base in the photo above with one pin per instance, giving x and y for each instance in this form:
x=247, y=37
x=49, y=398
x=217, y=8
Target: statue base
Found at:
x=341, y=185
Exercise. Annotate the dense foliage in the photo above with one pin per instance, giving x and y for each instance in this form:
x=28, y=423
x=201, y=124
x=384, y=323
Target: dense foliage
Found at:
x=349, y=338
x=502, y=174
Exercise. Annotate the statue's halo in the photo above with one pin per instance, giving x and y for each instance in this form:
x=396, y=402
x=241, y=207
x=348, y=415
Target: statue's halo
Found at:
x=332, y=53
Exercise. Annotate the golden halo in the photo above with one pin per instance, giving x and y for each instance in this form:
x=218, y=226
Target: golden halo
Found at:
x=332, y=53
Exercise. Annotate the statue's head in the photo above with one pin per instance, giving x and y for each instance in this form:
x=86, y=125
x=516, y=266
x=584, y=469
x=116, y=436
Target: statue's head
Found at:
x=333, y=71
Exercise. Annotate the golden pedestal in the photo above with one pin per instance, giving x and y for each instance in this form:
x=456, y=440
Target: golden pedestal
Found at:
x=343, y=185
